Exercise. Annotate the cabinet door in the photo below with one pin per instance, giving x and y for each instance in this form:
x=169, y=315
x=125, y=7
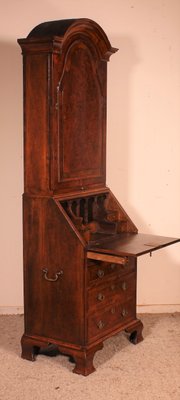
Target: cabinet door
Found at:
x=78, y=141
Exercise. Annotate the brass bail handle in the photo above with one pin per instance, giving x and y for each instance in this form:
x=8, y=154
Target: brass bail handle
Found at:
x=57, y=275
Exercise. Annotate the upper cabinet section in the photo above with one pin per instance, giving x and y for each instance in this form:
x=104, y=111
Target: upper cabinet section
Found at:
x=65, y=76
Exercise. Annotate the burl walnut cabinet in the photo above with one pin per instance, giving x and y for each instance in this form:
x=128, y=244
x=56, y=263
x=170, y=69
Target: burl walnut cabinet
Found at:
x=80, y=246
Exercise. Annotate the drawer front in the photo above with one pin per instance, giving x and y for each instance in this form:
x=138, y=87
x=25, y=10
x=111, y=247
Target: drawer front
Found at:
x=97, y=270
x=112, y=316
x=117, y=289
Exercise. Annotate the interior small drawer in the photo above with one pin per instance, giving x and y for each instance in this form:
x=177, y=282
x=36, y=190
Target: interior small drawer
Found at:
x=117, y=289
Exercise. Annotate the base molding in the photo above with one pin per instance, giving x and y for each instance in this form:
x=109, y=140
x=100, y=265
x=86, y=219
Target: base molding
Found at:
x=82, y=357
x=81, y=354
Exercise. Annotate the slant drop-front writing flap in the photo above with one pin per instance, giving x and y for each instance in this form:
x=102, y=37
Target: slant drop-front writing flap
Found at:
x=133, y=244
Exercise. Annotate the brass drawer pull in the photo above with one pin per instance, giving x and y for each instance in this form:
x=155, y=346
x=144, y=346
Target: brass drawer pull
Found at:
x=100, y=273
x=100, y=297
x=124, y=312
x=57, y=275
x=124, y=286
x=100, y=324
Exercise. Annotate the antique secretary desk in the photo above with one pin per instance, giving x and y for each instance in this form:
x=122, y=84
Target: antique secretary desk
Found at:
x=80, y=246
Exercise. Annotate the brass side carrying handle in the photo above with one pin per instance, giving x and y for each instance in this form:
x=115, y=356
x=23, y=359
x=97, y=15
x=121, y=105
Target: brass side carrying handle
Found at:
x=57, y=275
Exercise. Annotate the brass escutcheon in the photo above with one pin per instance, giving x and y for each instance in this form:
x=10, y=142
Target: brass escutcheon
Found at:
x=124, y=312
x=100, y=297
x=124, y=286
x=100, y=324
x=100, y=273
